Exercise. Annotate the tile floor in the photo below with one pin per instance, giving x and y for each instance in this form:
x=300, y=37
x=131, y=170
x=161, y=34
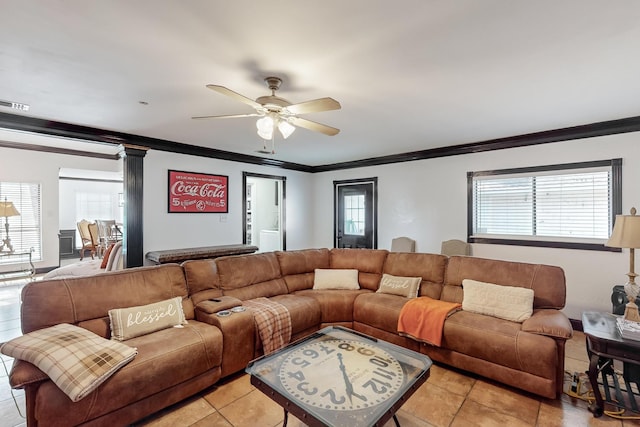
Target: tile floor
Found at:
x=448, y=398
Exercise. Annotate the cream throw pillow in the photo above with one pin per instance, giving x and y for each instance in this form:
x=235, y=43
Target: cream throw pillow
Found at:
x=127, y=323
x=76, y=360
x=335, y=278
x=397, y=285
x=506, y=302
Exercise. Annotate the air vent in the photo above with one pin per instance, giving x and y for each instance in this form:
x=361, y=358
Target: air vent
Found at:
x=15, y=105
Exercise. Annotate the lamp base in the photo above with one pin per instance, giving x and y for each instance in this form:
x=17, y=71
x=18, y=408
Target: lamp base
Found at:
x=6, y=243
x=631, y=312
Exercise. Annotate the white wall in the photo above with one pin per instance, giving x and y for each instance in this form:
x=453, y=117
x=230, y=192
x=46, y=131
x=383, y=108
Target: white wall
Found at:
x=426, y=200
x=164, y=230
x=35, y=166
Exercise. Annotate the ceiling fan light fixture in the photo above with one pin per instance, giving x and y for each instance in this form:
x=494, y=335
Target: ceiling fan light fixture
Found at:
x=286, y=128
x=265, y=127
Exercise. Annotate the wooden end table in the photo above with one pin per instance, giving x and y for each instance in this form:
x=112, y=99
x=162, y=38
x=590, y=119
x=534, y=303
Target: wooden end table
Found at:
x=340, y=377
x=604, y=345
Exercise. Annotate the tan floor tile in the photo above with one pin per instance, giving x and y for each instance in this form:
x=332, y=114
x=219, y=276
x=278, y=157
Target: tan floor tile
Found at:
x=505, y=401
x=213, y=420
x=575, y=347
x=451, y=380
x=407, y=420
x=184, y=413
x=434, y=404
x=253, y=409
x=567, y=412
x=474, y=414
x=229, y=390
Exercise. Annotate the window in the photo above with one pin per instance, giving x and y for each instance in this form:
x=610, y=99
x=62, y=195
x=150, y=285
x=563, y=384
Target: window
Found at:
x=571, y=205
x=25, y=228
x=354, y=215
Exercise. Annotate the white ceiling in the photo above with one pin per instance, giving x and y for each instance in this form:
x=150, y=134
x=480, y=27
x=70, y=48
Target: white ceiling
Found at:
x=410, y=75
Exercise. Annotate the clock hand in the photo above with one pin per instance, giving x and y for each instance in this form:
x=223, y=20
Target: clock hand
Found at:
x=347, y=383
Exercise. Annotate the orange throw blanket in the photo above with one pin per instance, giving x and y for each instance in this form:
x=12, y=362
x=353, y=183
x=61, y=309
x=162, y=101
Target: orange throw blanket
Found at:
x=423, y=319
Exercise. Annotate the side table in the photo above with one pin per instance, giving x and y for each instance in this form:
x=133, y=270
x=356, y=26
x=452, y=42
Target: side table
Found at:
x=604, y=345
x=18, y=258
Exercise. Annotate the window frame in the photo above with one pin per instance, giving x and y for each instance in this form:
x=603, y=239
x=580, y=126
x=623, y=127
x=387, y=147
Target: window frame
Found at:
x=550, y=242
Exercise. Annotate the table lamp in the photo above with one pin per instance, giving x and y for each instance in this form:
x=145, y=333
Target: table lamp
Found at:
x=7, y=209
x=626, y=234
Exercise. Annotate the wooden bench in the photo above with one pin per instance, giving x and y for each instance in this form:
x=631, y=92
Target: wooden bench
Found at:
x=180, y=255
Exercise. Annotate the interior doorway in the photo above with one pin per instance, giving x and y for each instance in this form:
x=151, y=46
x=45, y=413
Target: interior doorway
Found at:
x=263, y=198
x=356, y=213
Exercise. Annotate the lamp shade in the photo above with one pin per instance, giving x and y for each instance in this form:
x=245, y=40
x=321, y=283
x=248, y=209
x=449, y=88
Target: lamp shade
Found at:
x=8, y=209
x=626, y=231
x=265, y=127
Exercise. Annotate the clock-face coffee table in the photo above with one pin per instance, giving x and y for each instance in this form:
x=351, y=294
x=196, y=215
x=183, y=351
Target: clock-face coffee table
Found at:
x=339, y=377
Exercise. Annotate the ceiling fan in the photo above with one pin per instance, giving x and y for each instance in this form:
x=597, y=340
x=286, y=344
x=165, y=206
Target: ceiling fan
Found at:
x=276, y=112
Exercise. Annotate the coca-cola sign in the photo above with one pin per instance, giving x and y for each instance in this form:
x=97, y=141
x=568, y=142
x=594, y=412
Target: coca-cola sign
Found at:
x=198, y=192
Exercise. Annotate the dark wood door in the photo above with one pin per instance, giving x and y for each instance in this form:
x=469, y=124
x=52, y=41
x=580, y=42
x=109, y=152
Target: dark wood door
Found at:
x=355, y=214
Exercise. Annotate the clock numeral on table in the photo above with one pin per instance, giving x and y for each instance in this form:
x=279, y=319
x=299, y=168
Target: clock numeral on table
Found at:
x=366, y=351
x=346, y=346
x=327, y=350
x=304, y=387
x=297, y=375
x=384, y=373
x=300, y=362
x=310, y=353
x=333, y=398
x=379, y=361
x=377, y=386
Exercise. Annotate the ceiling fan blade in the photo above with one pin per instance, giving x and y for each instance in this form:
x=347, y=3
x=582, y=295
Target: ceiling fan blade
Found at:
x=314, y=106
x=317, y=127
x=229, y=116
x=235, y=95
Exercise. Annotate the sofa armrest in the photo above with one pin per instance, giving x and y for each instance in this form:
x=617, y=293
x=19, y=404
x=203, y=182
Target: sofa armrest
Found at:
x=213, y=305
x=24, y=373
x=550, y=322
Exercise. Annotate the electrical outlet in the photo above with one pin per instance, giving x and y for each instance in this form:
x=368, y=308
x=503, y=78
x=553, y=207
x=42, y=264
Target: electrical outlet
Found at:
x=223, y=218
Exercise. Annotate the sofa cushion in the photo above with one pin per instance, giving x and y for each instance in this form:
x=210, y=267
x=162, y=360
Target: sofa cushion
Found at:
x=336, y=305
x=335, y=278
x=84, y=298
x=77, y=360
x=131, y=322
x=368, y=262
x=506, y=302
x=431, y=267
x=380, y=311
x=250, y=276
x=297, y=267
x=547, y=282
x=501, y=342
x=397, y=285
x=193, y=350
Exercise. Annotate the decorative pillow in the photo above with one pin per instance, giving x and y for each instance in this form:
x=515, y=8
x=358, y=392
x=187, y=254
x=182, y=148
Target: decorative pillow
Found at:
x=127, y=323
x=105, y=257
x=506, y=302
x=76, y=360
x=335, y=278
x=397, y=285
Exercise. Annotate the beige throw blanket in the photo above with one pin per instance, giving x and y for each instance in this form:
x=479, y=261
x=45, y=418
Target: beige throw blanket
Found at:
x=273, y=322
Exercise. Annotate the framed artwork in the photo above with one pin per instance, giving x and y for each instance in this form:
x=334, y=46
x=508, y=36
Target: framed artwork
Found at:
x=191, y=192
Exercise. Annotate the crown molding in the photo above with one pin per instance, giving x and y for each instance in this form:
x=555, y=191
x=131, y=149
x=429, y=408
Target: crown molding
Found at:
x=67, y=130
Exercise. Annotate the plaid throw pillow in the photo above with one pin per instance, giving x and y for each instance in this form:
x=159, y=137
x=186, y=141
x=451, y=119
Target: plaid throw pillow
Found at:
x=76, y=360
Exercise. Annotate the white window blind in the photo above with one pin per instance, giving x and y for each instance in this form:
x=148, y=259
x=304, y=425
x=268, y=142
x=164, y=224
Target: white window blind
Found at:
x=563, y=203
x=24, y=229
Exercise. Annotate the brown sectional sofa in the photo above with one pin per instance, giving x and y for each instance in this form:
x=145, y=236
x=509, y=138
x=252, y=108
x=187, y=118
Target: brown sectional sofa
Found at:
x=173, y=363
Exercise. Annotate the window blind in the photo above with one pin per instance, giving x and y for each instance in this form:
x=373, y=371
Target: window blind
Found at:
x=571, y=203
x=25, y=229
